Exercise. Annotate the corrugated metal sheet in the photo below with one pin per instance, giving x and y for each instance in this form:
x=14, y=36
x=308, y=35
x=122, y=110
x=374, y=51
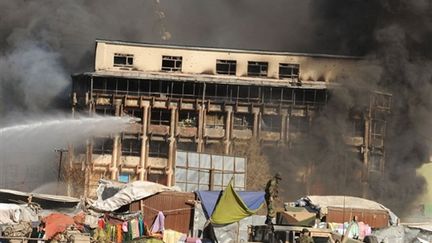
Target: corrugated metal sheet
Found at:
x=178, y=212
x=374, y=218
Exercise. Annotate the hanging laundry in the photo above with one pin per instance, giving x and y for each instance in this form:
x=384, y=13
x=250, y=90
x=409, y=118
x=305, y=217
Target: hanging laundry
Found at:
x=119, y=236
x=172, y=236
x=159, y=223
x=141, y=226
x=101, y=223
x=135, y=228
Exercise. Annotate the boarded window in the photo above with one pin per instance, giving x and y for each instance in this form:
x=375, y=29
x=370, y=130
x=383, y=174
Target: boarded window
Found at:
x=290, y=71
x=171, y=63
x=257, y=69
x=123, y=60
x=227, y=67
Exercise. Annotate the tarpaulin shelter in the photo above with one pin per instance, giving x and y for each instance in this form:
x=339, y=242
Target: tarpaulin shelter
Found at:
x=126, y=194
x=230, y=206
x=46, y=201
x=56, y=223
x=341, y=209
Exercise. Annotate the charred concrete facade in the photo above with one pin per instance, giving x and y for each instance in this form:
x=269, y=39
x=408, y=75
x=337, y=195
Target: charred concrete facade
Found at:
x=192, y=98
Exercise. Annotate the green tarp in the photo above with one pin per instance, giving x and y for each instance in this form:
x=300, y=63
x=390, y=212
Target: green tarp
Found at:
x=230, y=208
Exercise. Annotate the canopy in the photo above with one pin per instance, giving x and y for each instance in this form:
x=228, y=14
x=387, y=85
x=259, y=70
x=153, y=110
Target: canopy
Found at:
x=231, y=207
x=322, y=203
x=128, y=193
x=253, y=200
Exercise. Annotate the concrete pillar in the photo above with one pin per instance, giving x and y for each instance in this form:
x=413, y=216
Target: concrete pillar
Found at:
x=116, y=146
x=86, y=166
x=287, y=129
x=171, y=148
x=201, y=127
x=228, y=128
x=365, y=151
x=256, y=122
x=144, y=141
x=71, y=158
x=283, y=128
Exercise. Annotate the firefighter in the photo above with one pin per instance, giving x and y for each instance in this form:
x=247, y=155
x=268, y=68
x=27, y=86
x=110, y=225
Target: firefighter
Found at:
x=271, y=194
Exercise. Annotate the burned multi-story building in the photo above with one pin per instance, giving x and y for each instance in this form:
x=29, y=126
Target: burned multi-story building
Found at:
x=193, y=98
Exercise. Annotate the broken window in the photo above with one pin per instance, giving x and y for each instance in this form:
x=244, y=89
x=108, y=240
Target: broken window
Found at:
x=257, y=69
x=382, y=101
x=102, y=145
x=99, y=85
x=271, y=123
x=289, y=71
x=226, y=67
x=187, y=146
x=105, y=111
x=134, y=112
x=123, y=60
x=158, y=149
x=356, y=127
x=187, y=119
x=378, y=128
x=375, y=161
x=243, y=121
x=215, y=120
x=160, y=117
x=298, y=124
x=131, y=147
x=172, y=63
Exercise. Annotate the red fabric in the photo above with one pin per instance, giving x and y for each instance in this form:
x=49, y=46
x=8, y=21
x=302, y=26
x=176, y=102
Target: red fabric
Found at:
x=56, y=223
x=101, y=224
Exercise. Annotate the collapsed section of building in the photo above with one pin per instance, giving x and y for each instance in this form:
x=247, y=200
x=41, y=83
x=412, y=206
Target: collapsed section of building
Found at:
x=190, y=100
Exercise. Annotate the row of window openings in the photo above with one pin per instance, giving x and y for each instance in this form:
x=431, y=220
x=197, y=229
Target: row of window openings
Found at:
x=131, y=147
x=174, y=89
x=225, y=67
x=240, y=122
x=356, y=128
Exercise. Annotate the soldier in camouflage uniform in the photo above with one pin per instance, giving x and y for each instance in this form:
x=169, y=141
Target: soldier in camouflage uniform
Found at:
x=271, y=193
x=305, y=237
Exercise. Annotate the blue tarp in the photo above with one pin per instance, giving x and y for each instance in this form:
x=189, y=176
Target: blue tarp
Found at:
x=253, y=200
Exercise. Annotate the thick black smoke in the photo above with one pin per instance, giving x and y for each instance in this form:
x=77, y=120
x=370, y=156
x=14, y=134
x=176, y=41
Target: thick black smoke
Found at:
x=43, y=42
x=395, y=34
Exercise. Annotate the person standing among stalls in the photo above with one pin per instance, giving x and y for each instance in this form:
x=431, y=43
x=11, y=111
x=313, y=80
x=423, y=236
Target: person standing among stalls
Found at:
x=271, y=193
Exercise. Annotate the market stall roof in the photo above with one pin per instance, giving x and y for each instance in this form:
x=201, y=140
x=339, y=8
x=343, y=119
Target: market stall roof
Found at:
x=46, y=201
x=344, y=201
x=125, y=194
x=322, y=203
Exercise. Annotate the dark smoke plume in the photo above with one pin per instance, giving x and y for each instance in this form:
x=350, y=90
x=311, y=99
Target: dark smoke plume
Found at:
x=395, y=35
x=42, y=42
